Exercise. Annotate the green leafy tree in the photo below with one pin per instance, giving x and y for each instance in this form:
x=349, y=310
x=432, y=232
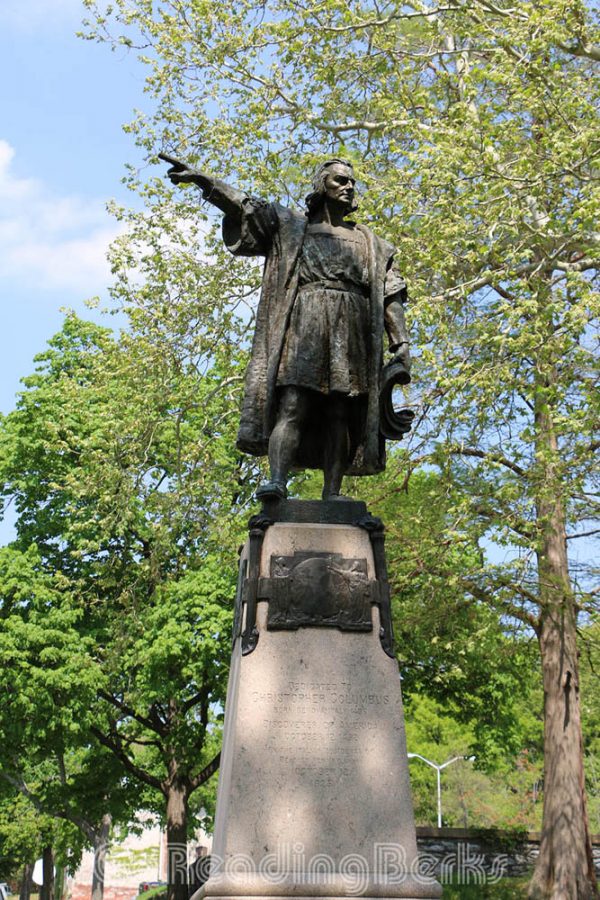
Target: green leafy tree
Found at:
x=474, y=128
x=118, y=459
x=27, y=835
x=20, y=836
x=506, y=795
x=48, y=685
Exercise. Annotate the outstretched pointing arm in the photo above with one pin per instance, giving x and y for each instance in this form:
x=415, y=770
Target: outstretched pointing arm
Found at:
x=226, y=198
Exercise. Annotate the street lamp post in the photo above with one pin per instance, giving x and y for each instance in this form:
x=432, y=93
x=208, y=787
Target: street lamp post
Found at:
x=438, y=771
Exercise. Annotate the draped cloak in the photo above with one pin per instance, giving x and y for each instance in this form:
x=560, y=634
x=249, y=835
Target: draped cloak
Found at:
x=277, y=233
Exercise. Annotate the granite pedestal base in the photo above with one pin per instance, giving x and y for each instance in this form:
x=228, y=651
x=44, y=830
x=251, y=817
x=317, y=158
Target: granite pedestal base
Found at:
x=314, y=796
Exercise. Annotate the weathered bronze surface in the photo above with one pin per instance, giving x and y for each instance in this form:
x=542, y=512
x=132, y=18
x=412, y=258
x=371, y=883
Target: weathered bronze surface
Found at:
x=257, y=527
x=315, y=512
x=324, y=589
x=313, y=396
x=376, y=530
x=238, y=607
x=312, y=588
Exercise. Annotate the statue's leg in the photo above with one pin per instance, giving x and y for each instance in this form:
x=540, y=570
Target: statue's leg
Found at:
x=292, y=413
x=337, y=446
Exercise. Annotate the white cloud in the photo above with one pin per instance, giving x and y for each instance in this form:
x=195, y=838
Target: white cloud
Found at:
x=49, y=241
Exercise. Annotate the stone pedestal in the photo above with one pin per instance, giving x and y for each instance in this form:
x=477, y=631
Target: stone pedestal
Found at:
x=314, y=796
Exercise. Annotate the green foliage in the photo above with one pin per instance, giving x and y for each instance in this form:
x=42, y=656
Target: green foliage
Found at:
x=58, y=782
x=507, y=889
x=46, y=665
x=491, y=791
x=21, y=833
x=24, y=832
x=590, y=712
x=117, y=594
x=155, y=893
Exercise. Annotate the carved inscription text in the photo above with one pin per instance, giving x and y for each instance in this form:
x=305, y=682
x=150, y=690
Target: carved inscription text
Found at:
x=320, y=730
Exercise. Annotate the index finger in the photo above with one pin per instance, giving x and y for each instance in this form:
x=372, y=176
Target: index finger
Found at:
x=176, y=163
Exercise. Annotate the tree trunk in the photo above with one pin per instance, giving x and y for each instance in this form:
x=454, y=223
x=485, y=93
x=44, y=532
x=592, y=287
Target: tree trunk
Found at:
x=100, y=850
x=564, y=869
x=47, y=890
x=177, y=793
x=26, y=882
x=59, y=883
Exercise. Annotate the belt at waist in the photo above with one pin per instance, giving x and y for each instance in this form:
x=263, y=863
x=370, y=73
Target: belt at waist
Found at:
x=335, y=286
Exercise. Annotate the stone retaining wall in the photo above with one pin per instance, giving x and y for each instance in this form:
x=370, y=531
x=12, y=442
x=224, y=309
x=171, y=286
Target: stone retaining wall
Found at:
x=474, y=856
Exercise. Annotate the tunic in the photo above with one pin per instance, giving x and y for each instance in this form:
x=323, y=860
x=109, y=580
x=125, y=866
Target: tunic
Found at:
x=326, y=347
x=280, y=235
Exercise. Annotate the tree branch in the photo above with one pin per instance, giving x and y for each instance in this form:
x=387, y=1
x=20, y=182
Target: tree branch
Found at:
x=503, y=13
x=79, y=822
x=491, y=456
x=581, y=48
x=192, y=701
x=572, y=537
x=151, y=725
x=510, y=608
x=206, y=773
x=116, y=748
x=489, y=277
x=488, y=596
x=582, y=265
x=493, y=515
x=381, y=23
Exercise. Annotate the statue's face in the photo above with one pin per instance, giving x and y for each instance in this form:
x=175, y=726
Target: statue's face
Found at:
x=339, y=185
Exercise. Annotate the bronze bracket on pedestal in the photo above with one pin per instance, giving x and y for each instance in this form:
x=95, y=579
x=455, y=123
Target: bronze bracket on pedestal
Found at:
x=238, y=608
x=249, y=585
x=376, y=531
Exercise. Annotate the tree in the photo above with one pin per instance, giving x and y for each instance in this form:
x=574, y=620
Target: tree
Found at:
x=48, y=685
x=473, y=127
x=27, y=835
x=121, y=466
x=20, y=835
x=505, y=795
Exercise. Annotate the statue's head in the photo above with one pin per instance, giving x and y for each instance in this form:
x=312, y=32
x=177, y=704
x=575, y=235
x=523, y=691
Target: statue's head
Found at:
x=333, y=179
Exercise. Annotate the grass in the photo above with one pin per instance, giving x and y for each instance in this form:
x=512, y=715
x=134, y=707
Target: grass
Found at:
x=506, y=889
x=155, y=892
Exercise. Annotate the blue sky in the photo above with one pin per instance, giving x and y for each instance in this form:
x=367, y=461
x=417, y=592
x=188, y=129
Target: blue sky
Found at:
x=62, y=157
x=63, y=103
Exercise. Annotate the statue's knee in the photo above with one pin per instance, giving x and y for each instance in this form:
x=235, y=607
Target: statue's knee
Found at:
x=292, y=407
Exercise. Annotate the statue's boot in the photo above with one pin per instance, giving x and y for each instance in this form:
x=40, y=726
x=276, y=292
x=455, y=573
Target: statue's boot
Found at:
x=272, y=490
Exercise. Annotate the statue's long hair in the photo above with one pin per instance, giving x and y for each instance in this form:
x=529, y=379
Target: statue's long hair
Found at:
x=314, y=200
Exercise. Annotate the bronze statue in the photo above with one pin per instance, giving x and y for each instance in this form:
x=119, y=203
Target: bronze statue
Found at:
x=317, y=394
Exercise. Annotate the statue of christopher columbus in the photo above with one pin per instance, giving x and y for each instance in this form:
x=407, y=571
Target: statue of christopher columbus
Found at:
x=316, y=390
